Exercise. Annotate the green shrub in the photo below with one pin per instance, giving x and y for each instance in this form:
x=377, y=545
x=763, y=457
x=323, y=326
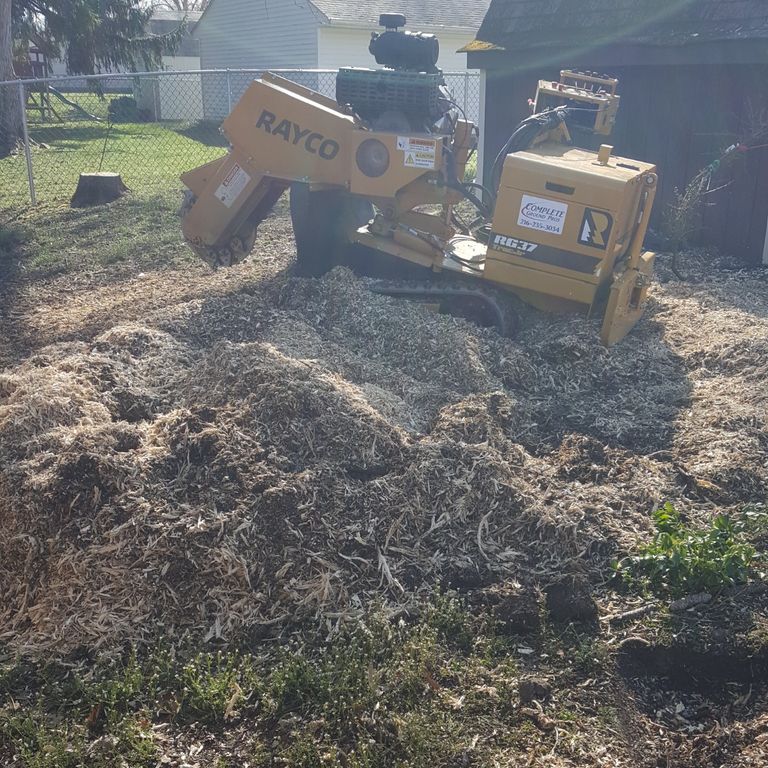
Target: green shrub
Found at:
x=682, y=560
x=123, y=109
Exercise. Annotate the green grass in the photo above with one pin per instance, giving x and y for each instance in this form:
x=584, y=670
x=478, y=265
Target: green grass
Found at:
x=470, y=172
x=148, y=155
x=138, y=232
x=382, y=694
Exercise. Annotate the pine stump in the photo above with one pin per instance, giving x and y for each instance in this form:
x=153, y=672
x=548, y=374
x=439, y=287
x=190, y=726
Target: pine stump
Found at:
x=97, y=189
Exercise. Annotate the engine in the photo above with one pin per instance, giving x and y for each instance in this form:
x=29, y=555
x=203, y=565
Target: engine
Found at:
x=409, y=93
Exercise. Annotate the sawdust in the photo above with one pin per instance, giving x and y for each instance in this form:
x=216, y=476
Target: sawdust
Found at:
x=286, y=451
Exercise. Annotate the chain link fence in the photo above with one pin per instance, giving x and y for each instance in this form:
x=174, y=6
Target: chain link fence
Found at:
x=148, y=127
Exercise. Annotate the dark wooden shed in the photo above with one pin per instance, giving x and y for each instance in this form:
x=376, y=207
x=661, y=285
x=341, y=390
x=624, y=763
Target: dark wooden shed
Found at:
x=694, y=80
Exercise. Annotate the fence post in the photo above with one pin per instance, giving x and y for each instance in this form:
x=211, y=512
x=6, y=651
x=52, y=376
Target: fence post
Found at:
x=229, y=92
x=27, y=151
x=466, y=93
x=156, y=98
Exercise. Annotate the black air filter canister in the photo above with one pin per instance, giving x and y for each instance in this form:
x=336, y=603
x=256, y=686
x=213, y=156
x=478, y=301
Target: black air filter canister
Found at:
x=410, y=51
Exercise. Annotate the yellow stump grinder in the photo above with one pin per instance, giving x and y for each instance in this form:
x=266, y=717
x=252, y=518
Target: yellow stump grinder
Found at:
x=380, y=170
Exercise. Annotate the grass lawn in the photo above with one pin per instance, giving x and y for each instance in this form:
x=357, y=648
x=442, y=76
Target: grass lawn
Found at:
x=148, y=155
x=137, y=232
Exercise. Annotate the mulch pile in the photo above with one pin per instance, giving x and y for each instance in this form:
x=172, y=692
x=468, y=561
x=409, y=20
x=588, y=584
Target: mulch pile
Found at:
x=292, y=452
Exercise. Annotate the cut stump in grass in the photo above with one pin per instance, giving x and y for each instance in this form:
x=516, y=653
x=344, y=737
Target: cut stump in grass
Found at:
x=97, y=189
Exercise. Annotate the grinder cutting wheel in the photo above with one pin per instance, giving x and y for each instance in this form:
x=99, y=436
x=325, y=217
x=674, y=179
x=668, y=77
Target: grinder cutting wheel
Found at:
x=381, y=169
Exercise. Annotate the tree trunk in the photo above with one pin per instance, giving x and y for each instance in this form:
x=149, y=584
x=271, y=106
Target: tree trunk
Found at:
x=97, y=189
x=10, y=108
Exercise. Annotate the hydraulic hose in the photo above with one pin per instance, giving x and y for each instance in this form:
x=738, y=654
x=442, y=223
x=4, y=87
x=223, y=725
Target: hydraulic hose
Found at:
x=523, y=137
x=464, y=188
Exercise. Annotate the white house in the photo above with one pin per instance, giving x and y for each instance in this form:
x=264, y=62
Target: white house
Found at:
x=317, y=34
x=179, y=97
x=187, y=54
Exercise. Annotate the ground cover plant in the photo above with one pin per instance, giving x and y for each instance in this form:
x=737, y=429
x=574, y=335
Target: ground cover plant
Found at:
x=683, y=561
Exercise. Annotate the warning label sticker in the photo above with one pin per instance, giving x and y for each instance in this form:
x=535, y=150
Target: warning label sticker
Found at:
x=542, y=214
x=418, y=153
x=234, y=183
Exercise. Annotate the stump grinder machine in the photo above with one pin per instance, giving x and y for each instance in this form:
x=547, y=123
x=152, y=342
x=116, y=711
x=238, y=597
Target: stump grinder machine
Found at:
x=378, y=174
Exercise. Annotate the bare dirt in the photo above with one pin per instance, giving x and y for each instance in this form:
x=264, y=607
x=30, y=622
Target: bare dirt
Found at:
x=224, y=456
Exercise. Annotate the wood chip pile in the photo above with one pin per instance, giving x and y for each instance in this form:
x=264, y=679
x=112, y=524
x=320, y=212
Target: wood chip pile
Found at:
x=289, y=453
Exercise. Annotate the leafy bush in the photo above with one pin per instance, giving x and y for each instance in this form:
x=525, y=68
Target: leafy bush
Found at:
x=682, y=560
x=123, y=109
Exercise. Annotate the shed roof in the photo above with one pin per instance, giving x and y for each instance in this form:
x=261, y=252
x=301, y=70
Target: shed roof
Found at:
x=461, y=14
x=524, y=24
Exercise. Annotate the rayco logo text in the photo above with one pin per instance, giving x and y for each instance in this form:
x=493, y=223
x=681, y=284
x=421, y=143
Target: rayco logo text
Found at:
x=293, y=133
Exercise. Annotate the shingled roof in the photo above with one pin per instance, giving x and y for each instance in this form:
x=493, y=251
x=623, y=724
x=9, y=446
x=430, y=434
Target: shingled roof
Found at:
x=524, y=24
x=463, y=14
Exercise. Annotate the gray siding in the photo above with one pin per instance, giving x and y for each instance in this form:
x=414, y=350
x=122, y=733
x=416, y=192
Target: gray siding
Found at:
x=252, y=34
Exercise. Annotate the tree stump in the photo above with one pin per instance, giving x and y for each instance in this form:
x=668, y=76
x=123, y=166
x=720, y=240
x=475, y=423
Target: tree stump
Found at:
x=97, y=189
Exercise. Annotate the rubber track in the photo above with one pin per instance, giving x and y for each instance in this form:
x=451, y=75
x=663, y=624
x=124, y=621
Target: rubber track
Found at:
x=499, y=304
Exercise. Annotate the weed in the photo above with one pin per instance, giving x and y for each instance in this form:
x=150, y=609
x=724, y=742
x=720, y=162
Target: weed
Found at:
x=682, y=560
x=305, y=753
x=13, y=677
x=470, y=172
x=589, y=655
x=681, y=219
x=292, y=685
x=430, y=739
x=608, y=715
x=214, y=686
x=121, y=692
x=12, y=240
x=757, y=638
x=414, y=665
x=454, y=626
x=44, y=744
x=381, y=693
